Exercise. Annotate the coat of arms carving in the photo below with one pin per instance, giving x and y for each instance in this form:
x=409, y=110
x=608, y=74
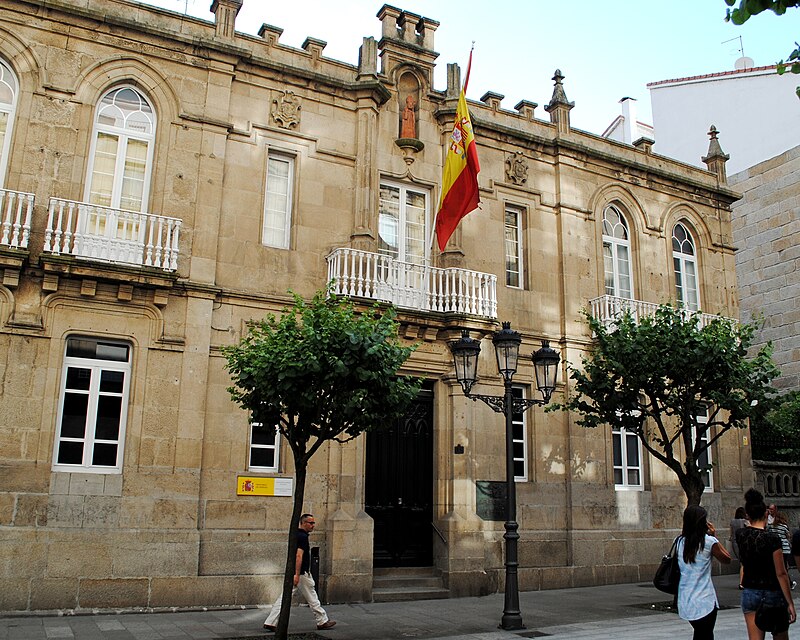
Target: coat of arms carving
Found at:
x=286, y=110
x=517, y=168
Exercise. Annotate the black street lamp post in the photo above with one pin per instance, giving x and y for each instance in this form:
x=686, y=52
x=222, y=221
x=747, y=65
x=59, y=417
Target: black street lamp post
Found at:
x=545, y=361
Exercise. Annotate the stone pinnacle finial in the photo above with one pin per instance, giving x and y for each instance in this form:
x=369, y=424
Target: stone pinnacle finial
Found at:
x=715, y=159
x=559, y=107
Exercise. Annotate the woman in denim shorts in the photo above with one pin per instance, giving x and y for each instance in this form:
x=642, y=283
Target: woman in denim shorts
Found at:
x=765, y=579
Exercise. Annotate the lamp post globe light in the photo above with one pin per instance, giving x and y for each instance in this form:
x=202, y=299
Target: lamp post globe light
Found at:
x=545, y=361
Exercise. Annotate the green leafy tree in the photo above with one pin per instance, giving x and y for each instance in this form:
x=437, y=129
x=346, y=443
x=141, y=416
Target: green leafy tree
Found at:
x=322, y=372
x=655, y=376
x=748, y=8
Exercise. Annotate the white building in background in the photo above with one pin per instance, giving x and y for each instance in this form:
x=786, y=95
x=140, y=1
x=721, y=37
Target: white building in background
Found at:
x=755, y=110
x=627, y=127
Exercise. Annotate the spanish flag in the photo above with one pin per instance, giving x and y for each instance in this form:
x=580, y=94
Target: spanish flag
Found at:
x=460, y=176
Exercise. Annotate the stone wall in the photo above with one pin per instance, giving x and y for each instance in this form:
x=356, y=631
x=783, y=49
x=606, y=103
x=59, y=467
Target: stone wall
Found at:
x=766, y=230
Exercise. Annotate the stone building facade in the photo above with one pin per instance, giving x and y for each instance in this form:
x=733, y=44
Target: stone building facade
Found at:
x=164, y=180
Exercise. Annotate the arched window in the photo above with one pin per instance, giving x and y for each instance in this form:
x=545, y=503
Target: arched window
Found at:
x=122, y=150
x=684, y=259
x=617, y=253
x=9, y=90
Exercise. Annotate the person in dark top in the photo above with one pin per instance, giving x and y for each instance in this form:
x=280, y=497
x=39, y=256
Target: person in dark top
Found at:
x=303, y=582
x=765, y=579
x=796, y=548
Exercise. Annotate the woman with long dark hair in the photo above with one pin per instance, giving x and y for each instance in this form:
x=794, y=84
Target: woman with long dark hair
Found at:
x=765, y=579
x=697, y=599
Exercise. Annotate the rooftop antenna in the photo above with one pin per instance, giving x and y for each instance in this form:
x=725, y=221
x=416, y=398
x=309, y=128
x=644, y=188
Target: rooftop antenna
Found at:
x=743, y=62
x=741, y=45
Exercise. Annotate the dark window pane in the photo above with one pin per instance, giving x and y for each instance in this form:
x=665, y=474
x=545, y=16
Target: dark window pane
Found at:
x=617, y=441
x=519, y=450
x=78, y=378
x=263, y=436
x=632, y=450
x=111, y=381
x=73, y=417
x=105, y=455
x=617, y=476
x=70, y=453
x=262, y=457
x=88, y=348
x=633, y=477
x=517, y=430
x=519, y=468
x=108, y=413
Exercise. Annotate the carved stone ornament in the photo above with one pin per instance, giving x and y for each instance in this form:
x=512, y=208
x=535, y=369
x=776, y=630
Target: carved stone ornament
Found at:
x=517, y=168
x=286, y=110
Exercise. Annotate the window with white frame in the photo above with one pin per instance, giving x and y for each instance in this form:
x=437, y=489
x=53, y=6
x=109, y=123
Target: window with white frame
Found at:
x=93, y=407
x=513, y=246
x=9, y=90
x=684, y=258
x=264, y=448
x=403, y=223
x=277, y=226
x=704, y=460
x=122, y=151
x=617, y=254
x=627, y=451
x=519, y=437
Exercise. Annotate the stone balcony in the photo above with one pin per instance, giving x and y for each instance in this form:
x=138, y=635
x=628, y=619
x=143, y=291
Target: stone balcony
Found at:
x=608, y=308
x=103, y=234
x=361, y=274
x=16, y=209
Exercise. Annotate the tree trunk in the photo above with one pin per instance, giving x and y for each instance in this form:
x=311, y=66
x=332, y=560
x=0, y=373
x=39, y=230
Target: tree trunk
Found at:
x=291, y=554
x=693, y=487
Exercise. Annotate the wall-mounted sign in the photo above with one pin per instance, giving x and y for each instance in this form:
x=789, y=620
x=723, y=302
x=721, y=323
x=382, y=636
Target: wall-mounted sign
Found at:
x=491, y=500
x=255, y=486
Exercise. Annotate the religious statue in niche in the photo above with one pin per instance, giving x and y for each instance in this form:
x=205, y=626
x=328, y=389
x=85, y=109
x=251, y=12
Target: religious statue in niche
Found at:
x=516, y=168
x=408, y=128
x=286, y=110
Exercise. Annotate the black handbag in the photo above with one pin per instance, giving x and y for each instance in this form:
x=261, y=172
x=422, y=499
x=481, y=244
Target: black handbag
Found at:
x=773, y=619
x=668, y=574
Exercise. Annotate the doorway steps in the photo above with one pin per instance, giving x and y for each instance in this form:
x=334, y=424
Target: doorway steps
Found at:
x=396, y=584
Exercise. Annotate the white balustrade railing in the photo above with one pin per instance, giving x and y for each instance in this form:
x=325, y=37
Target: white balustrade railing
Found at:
x=362, y=274
x=101, y=233
x=608, y=309
x=15, y=218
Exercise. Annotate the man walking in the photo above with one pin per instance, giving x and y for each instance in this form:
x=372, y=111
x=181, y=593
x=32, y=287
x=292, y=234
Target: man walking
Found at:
x=303, y=582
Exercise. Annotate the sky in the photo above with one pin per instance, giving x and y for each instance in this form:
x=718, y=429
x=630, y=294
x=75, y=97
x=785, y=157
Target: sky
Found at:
x=606, y=50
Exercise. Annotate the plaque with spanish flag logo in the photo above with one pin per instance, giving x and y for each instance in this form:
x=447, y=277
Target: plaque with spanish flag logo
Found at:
x=255, y=486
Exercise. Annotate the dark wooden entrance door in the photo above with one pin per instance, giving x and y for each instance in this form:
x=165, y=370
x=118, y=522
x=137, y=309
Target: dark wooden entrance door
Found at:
x=399, y=487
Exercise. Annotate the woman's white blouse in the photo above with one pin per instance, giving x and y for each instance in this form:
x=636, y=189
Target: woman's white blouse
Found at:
x=696, y=595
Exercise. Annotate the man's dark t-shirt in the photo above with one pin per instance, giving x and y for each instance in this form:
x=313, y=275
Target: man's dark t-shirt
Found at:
x=302, y=543
x=756, y=547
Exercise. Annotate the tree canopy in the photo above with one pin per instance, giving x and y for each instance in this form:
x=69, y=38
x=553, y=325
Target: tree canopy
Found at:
x=320, y=372
x=654, y=376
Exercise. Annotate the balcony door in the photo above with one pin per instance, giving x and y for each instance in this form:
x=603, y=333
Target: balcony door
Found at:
x=119, y=177
x=404, y=236
x=399, y=487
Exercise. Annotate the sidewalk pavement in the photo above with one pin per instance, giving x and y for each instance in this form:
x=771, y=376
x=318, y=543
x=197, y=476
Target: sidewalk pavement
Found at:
x=622, y=612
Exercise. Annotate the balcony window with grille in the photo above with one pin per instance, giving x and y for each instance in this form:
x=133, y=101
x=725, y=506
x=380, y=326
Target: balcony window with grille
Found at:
x=627, y=451
x=277, y=226
x=617, y=254
x=122, y=151
x=519, y=440
x=93, y=406
x=704, y=460
x=685, y=264
x=403, y=223
x=513, y=247
x=264, y=448
x=9, y=90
